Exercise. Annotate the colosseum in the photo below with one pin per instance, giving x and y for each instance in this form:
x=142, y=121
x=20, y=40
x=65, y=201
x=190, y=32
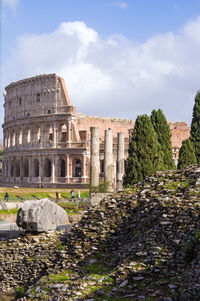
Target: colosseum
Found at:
x=47, y=143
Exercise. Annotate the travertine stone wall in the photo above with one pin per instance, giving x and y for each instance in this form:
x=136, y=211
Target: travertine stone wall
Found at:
x=46, y=143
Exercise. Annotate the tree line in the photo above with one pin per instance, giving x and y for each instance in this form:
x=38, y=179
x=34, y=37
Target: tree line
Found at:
x=150, y=147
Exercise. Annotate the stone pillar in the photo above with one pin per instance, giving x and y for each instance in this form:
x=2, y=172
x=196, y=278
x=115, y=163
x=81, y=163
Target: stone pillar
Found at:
x=67, y=169
x=30, y=170
x=21, y=168
x=41, y=167
x=32, y=141
x=84, y=168
x=42, y=135
x=69, y=133
x=120, y=159
x=55, y=131
x=94, y=156
x=53, y=170
x=108, y=158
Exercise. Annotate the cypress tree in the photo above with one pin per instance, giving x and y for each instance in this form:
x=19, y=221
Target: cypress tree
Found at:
x=195, y=127
x=186, y=154
x=162, y=129
x=144, y=155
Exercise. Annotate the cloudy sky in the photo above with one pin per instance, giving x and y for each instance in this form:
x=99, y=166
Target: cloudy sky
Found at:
x=118, y=58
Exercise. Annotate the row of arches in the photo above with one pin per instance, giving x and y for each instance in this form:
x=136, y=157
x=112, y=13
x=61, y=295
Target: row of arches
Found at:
x=17, y=168
x=27, y=134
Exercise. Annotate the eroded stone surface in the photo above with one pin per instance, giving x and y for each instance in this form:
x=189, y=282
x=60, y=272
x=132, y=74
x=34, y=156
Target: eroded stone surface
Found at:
x=41, y=215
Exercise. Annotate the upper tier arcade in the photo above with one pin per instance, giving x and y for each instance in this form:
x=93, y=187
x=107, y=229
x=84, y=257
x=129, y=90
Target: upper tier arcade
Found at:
x=34, y=96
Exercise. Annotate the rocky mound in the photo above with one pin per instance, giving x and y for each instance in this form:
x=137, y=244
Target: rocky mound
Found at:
x=136, y=245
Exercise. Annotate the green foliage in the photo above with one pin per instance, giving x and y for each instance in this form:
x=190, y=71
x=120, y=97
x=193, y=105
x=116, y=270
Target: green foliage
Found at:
x=162, y=130
x=144, y=155
x=195, y=127
x=103, y=187
x=186, y=154
x=11, y=211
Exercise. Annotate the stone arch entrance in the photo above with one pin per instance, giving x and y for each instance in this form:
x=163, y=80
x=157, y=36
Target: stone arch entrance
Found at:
x=17, y=168
x=64, y=133
x=62, y=168
x=36, y=166
x=25, y=168
x=77, y=168
x=47, y=168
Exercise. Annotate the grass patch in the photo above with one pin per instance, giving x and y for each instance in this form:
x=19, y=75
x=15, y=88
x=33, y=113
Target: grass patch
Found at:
x=7, y=212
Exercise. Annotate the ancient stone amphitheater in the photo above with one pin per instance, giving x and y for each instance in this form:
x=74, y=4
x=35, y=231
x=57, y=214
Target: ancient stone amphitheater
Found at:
x=47, y=143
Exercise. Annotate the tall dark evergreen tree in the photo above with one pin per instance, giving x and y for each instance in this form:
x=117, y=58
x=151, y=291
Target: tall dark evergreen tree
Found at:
x=186, y=154
x=195, y=127
x=162, y=129
x=145, y=155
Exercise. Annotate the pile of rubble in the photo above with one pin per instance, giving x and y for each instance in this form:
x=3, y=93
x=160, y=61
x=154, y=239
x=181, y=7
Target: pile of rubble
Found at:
x=140, y=244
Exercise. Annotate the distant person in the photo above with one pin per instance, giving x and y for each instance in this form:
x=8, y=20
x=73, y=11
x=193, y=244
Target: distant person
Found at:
x=6, y=196
x=79, y=195
x=72, y=195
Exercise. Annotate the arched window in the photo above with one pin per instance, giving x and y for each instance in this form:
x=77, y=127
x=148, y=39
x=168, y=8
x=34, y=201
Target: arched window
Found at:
x=25, y=168
x=64, y=133
x=17, y=168
x=11, y=169
x=37, y=135
x=36, y=168
x=13, y=138
x=78, y=168
x=47, y=168
x=20, y=136
x=50, y=134
x=28, y=136
x=62, y=168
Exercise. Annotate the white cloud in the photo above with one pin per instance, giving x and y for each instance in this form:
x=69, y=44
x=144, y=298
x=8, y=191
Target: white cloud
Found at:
x=113, y=76
x=10, y=3
x=120, y=4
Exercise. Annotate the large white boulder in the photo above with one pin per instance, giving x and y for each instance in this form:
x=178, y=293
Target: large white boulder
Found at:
x=42, y=215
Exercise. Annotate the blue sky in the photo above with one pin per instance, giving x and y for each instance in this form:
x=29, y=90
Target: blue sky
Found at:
x=118, y=58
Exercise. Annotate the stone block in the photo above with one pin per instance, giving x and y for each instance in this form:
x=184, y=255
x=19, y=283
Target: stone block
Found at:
x=41, y=216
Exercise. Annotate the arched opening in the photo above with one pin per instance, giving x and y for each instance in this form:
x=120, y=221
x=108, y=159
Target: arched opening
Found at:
x=77, y=168
x=9, y=140
x=50, y=140
x=62, y=168
x=36, y=168
x=25, y=168
x=37, y=135
x=13, y=138
x=64, y=133
x=28, y=136
x=17, y=168
x=20, y=136
x=11, y=169
x=47, y=168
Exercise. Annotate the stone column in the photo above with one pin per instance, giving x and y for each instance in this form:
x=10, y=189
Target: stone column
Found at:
x=108, y=158
x=42, y=135
x=55, y=134
x=53, y=170
x=94, y=156
x=84, y=168
x=30, y=169
x=32, y=141
x=67, y=169
x=69, y=133
x=41, y=168
x=120, y=159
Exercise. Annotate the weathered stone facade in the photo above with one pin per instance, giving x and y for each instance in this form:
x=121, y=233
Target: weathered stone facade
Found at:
x=47, y=143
